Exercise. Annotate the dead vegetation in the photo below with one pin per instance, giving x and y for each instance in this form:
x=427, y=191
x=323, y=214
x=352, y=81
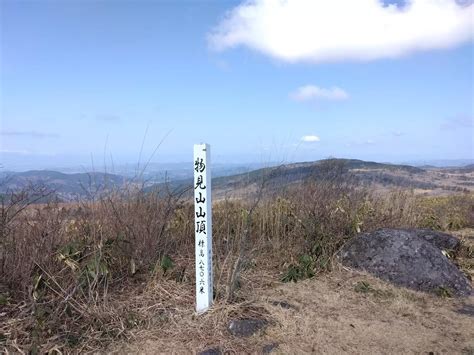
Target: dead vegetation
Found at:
x=75, y=278
x=328, y=314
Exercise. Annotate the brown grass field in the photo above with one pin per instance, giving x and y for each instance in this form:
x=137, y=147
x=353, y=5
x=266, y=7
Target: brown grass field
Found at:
x=327, y=315
x=116, y=273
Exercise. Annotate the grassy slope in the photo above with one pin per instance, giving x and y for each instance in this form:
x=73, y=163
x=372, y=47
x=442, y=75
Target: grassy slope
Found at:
x=381, y=174
x=378, y=175
x=329, y=316
x=94, y=271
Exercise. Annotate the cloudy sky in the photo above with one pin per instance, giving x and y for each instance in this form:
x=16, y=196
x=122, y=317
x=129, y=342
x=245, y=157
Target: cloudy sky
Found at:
x=260, y=80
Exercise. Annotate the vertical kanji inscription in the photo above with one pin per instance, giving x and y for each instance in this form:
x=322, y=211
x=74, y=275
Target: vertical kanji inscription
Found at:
x=203, y=230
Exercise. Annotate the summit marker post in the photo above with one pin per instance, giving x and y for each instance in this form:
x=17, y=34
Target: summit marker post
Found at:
x=203, y=226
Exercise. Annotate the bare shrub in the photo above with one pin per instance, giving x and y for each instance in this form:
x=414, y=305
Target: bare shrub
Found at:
x=447, y=212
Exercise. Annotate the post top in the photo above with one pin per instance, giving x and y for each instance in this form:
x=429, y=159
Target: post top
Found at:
x=202, y=146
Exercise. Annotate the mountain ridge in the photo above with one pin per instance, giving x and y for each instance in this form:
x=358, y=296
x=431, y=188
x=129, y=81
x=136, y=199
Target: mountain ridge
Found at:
x=74, y=185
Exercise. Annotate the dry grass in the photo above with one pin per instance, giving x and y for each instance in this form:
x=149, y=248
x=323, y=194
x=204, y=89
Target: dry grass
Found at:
x=334, y=318
x=465, y=256
x=78, y=278
x=326, y=315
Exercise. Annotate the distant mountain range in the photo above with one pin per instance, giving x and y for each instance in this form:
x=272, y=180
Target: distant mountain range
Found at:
x=69, y=187
x=441, y=163
x=64, y=186
x=375, y=175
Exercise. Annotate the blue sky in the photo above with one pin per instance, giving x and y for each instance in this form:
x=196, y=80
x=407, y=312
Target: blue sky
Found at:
x=92, y=78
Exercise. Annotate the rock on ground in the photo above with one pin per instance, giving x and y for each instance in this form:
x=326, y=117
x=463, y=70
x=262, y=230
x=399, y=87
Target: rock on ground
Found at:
x=212, y=351
x=440, y=240
x=267, y=349
x=246, y=327
x=408, y=257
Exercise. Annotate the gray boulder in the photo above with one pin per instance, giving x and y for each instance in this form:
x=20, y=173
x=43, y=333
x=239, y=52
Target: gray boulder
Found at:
x=246, y=327
x=267, y=349
x=440, y=240
x=211, y=351
x=411, y=258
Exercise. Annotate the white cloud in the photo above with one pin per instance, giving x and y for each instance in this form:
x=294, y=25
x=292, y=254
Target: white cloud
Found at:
x=313, y=93
x=459, y=122
x=9, y=151
x=310, y=139
x=361, y=143
x=330, y=30
x=29, y=134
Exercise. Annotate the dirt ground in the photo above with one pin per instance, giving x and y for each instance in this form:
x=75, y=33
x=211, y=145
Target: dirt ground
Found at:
x=337, y=315
x=341, y=312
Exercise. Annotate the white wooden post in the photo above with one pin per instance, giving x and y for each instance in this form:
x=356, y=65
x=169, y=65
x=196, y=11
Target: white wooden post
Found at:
x=203, y=226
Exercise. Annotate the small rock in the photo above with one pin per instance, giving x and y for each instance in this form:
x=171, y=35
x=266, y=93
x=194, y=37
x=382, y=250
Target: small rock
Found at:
x=283, y=304
x=466, y=309
x=246, y=327
x=211, y=351
x=267, y=349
